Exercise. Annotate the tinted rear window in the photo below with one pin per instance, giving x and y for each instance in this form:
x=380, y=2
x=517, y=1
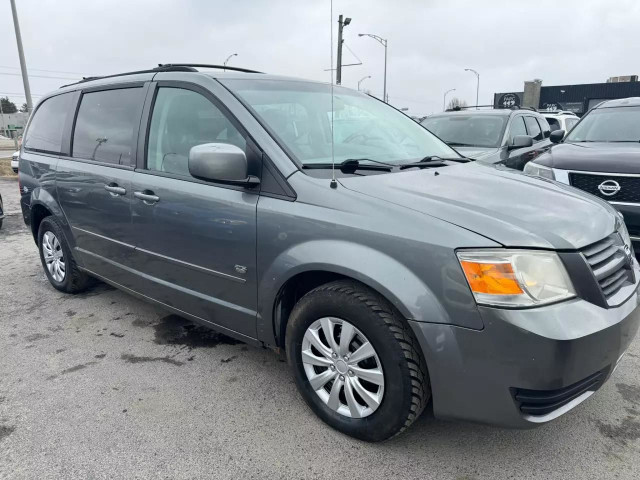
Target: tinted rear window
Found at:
x=105, y=125
x=47, y=125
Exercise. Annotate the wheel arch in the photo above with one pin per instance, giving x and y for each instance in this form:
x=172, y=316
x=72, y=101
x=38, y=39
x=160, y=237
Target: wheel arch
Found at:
x=42, y=205
x=305, y=267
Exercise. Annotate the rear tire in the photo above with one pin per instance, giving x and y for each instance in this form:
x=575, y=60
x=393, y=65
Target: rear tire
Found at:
x=57, y=260
x=391, y=401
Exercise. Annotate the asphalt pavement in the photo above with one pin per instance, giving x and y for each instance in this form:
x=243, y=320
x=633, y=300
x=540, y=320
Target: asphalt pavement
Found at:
x=101, y=385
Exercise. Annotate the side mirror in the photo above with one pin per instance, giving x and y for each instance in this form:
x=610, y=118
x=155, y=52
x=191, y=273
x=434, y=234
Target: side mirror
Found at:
x=222, y=163
x=557, y=136
x=521, y=141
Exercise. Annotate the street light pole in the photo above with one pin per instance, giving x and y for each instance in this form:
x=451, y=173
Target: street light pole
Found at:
x=23, y=65
x=444, y=102
x=477, y=83
x=361, y=80
x=383, y=42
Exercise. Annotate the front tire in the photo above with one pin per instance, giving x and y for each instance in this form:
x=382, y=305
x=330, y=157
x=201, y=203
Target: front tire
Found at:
x=356, y=362
x=58, y=262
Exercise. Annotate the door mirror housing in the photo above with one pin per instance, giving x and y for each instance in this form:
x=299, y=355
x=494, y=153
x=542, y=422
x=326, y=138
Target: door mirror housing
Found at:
x=221, y=163
x=557, y=136
x=521, y=141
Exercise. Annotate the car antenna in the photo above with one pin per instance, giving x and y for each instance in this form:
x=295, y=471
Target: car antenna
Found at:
x=334, y=183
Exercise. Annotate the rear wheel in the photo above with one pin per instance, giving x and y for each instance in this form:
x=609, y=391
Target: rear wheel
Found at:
x=57, y=260
x=356, y=362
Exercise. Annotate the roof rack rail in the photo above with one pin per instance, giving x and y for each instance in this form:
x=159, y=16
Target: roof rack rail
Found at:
x=457, y=108
x=206, y=65
x=520, y=107
x=164, y=67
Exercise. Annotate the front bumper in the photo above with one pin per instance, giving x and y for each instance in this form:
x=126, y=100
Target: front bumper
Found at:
x=476, y=375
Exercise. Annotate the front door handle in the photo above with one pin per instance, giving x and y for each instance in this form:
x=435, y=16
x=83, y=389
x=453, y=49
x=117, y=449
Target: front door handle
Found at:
x=114, y=189
x=147, y=196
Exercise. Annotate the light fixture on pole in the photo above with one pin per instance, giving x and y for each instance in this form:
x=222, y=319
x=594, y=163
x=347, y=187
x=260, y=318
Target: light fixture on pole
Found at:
x=361, y=80
x=444, y=102
x=384, y=43
x=229, y=58
x=477, y=83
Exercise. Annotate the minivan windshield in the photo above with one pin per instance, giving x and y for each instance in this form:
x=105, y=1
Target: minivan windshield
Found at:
x=473, y=130
x=298, y=115
x=616, y=124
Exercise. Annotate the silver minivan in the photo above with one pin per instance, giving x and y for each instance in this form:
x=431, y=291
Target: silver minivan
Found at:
x=331, y=227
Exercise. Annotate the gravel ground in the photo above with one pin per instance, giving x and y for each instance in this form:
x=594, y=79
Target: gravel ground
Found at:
x=102, y=385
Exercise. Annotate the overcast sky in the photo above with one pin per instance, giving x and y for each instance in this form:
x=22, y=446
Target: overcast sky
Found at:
x=431, y=42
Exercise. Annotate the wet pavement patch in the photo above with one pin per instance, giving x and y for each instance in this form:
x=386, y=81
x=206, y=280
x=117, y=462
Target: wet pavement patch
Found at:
x=70, y=313
x=629, y=429
x=100, y=355
x=227, y=360
x=118, y=335
x=175, y=330
x=135, y=359
x=76, y=368
x=36, y=336
x=5, y=431
x=631, y=393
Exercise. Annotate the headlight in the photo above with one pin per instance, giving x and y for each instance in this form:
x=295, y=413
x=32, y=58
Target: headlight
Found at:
x=515, y=278
x=538, y=170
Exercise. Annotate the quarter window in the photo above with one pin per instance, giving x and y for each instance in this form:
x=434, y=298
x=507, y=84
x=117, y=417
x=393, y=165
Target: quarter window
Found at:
x=105, y=126
x=182, y=119
x=47, y=125
x=533, y=128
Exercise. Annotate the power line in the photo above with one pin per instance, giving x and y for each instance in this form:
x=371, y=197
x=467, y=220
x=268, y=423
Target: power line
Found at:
x=42, y=70
x=39, y=76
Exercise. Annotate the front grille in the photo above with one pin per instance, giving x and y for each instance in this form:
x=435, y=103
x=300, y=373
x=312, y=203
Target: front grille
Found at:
x=629, y=187
x=609, y=263
x=542, y=402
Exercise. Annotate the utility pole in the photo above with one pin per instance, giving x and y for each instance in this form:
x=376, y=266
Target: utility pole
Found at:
x=341, y=25
x=23, y=65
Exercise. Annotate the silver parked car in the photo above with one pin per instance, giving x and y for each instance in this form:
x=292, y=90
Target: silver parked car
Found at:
x=405, y=274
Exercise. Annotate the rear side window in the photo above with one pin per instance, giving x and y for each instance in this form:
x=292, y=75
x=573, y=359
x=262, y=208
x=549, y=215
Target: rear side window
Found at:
x=533, y=128
x=47, y=125
x=517, y=128
x=105, y=125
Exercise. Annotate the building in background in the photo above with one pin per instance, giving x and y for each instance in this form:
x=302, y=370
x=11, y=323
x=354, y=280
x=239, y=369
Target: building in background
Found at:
x=574, y=98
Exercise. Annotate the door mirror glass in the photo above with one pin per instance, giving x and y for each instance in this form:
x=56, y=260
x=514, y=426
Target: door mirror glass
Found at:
x=521, y=141
x=218, y=162
x=556, y=136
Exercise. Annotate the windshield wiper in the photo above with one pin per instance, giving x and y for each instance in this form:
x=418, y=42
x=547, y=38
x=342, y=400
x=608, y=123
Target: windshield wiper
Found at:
x=433, y=161
x=351, y=165
x=456, y=144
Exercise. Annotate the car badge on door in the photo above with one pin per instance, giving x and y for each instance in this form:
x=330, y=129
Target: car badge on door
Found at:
x=609, y=187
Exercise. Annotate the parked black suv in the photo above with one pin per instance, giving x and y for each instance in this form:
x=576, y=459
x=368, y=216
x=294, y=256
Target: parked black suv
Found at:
x=601, y=155
x=512, y=137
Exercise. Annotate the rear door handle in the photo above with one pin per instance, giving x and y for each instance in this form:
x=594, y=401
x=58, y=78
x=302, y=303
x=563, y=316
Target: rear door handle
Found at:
x=147, y=196
x=114, y=189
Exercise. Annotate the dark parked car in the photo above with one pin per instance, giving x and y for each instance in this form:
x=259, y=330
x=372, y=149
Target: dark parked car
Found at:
x=601, y=155
x=508, y=136
x=412, y=274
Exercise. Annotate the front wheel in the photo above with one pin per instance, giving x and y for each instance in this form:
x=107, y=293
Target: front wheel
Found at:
x=356, y=362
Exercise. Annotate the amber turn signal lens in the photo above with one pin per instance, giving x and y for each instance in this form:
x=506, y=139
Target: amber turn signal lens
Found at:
x=491, y=278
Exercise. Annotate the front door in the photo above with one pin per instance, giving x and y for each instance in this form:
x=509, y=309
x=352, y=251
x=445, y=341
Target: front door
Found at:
x=195, y=241
x=94, y=183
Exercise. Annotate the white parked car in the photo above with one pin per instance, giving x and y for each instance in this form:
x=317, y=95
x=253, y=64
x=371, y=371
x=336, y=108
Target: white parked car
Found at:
x=561, y=120
x=14, y=161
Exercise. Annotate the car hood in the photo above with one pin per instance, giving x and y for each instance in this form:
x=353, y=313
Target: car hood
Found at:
x=477, y=153
x=503, y=205
x=594, y=157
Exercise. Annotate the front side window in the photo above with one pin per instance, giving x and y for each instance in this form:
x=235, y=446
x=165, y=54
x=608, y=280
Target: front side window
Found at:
x=517, y=128
x=467, y=130
x=618, y=124
x=182, y=119
x=570, y=122
x=544, y=125
x=554, y=124
x=47, y=125
x=533, y=128
x=105, y=126
x=298, y=115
